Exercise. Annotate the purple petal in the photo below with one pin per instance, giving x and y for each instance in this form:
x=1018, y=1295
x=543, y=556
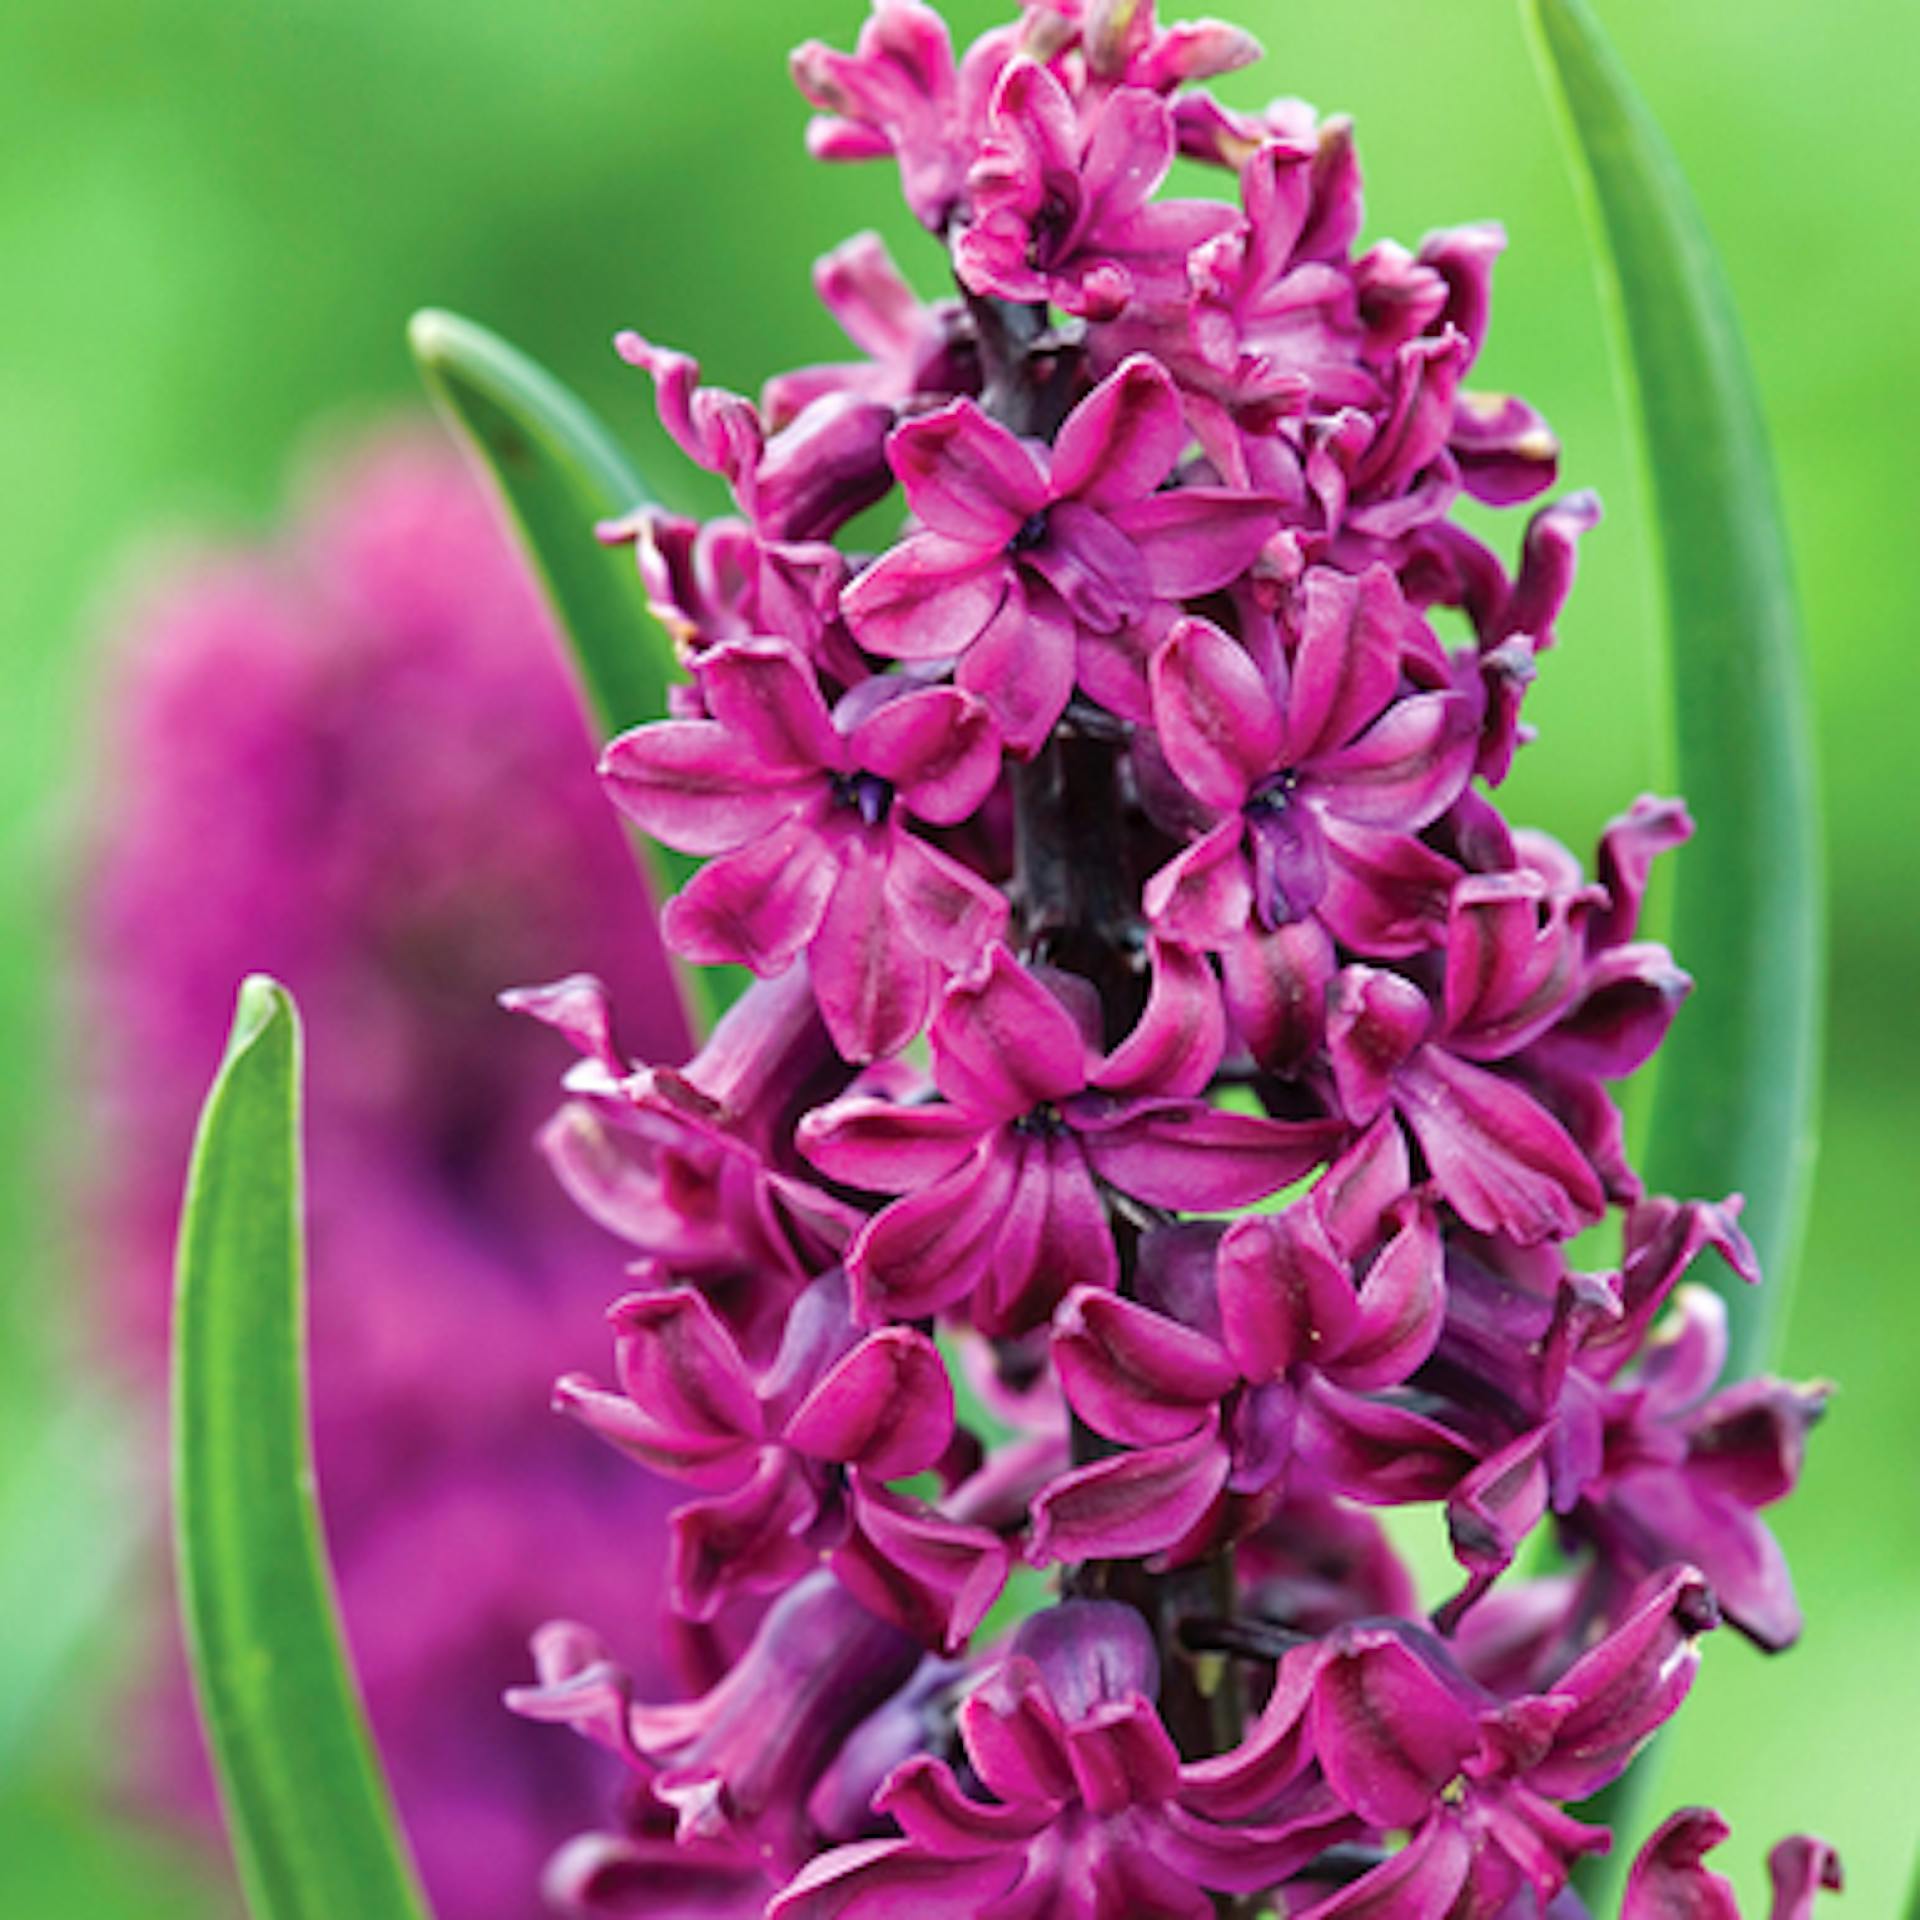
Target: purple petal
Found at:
x=929, y=598
x=1387, y=893
x=577, y=1007
x=943, y=908
x=925, y=1798
x=1121, y=441
x=1375, y=1023
x=1130, y=1505
x=1285, y=1299
x=1420, y=1882
x=1197, y=540
x=874, y=989
x=749, y=1541
x=1628, y=1685
x=1505, y=1164
x=695, y=786
x=905, y=1561
x=885, y=1147
x=1276, y=983
x=1628, y=849
x=756, y=908
x=937, y=746
x=1375, y=1452
x=765, y=695
x=1669, y=1880
x=1181, y=1153
x=1348, y=663
x=1134, y=1375
x=1402, y=1304
x=966, y=476
x=932, y=1249
x=1389, y=1734
x=1204, y=896
x=1094, y=567
x=1003, y=1045
x=679, y=1365
x=1054, y=1235
x=1021, y=661
x=1356, y=1193
x=887, y=1407
x=1287, y=852
x=1180, y=1037
x=880, y=1879
x=1406, y=770
x=1515, y=949
x=1800, y=1868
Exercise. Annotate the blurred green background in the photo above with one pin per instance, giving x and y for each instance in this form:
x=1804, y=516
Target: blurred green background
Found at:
x=215, y=217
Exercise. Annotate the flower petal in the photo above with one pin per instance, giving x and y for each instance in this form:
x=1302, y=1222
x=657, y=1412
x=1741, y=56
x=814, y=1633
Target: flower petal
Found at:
x=966, y=476
x=1202, y=1159
x=1003, y=1045
x=1128, y=1506
x=1218, y=724
x=874, y=989
x=1285, y=1299
x=1134, y=1375
x=886, y=1407
x=755, y=908
x=695, y=786
x=1121, y=441
x=1177, y=1043
x=932, y=1249
x=937, y=746
x=766, y=696
x=926, y=599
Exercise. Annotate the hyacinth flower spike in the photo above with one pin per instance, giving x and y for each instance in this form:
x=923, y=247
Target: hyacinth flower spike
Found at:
x=1127, y=770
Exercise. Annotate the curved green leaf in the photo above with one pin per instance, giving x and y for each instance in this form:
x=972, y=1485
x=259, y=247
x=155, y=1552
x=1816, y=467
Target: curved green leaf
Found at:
x=311, y=1822
x=1738, y=1080
x=560, y=473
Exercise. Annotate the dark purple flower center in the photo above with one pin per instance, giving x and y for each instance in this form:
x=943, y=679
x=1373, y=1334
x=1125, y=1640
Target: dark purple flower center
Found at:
x=1046, y=1121
x=1274, y=794
x=1032, y=530
x=871, y=796
x=1054, y=224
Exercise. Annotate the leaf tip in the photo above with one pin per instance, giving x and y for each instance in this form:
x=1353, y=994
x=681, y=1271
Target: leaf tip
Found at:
x=261, y=1001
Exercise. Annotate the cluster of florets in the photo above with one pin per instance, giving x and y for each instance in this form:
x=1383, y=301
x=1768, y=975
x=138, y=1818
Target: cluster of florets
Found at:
x=1137, y=780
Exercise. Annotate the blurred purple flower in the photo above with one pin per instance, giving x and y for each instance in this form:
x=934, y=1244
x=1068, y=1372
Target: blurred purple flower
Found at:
x=349, y=756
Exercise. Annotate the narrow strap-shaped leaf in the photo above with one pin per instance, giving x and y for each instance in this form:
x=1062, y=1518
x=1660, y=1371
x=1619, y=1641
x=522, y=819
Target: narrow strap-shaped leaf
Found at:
x=312, y=1824
x=1738, y=1080
x=560, y=473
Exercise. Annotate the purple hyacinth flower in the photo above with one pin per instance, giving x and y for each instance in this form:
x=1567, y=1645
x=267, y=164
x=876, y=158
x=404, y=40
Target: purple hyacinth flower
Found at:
x=1093, y=1811
x=689, y=1407
x=1060, y=205
x=738, y=1766
x=1037, y=567
x=1670, y=1880
x=808, y=812
x=1204, y=1392
x=1406, y=1741
x=1298, y=759
x=1002, y=1209
x=901, y=92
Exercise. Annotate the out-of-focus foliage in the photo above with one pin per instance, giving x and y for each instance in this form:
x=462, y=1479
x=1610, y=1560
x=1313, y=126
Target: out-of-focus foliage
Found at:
x=216, y=217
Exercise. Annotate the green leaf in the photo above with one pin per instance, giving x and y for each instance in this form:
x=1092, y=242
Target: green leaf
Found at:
x=312, y=1824
x=1735, y=1099
x=560, y=473
x=1738, y=1079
